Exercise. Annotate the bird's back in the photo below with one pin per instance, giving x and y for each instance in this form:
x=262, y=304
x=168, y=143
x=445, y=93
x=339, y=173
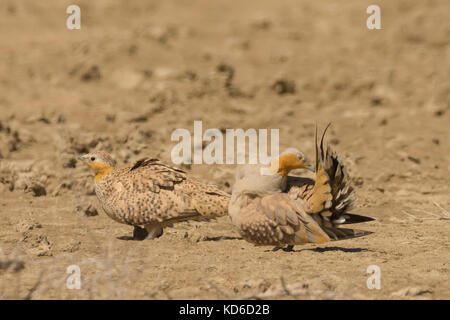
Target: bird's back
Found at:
x=151, y=191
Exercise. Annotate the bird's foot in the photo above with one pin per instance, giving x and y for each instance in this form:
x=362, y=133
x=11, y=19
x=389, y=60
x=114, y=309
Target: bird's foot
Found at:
x=150, y=232
x=155, y=230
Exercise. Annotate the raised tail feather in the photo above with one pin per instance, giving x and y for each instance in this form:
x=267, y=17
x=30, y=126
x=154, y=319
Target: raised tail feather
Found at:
x=331, y=166
x=339, y=180
x=320, y=198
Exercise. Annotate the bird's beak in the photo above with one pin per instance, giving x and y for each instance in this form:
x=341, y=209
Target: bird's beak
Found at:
x=311, y=168
x=81, y=158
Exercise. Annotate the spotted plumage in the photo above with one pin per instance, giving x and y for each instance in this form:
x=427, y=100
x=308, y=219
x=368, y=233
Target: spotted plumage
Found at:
x=152, y=194
x=280, y=210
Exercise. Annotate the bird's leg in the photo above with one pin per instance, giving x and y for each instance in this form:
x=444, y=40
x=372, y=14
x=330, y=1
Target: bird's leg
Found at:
x=289, y=248
x=139, y=233
x=155, y=230
x=150, y=231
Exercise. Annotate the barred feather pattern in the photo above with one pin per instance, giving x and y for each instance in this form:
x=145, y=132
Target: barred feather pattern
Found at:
x=150, y=191
x=341, y=190
x=329, y=198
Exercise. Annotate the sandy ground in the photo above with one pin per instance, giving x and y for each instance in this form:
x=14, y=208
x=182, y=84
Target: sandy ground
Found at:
x=137, y=70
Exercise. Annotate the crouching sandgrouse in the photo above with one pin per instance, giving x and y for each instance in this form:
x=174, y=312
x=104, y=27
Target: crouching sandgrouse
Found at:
x=278, y=210
x=152, y=194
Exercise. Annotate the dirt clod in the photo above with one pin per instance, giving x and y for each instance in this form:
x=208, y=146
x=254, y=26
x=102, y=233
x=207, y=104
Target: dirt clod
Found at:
x=284, y=87
x=87, y=209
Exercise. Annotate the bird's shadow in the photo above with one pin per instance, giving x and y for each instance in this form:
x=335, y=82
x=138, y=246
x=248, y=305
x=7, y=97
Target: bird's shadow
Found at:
x=327, y=249
x=127, y=238
x=219, y=238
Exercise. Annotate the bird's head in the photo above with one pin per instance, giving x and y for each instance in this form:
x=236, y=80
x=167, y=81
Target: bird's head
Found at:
x=289, y=160
x=101, y=162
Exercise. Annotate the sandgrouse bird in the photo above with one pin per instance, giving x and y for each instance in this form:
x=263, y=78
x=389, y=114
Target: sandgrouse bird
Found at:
x=152, y=194
x=279, y=210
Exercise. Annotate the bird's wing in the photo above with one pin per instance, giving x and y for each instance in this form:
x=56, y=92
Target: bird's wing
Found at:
x=207, y=199
x=275, y=220
x=160, y=175
x=150, y=190
x=332, y=188
x=329, y=198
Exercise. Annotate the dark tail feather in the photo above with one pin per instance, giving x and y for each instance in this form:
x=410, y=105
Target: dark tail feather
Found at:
x=341, y=189
x=355, y=218
x=320, y=197
x=317, y=150
x=322, y=155
x=341, y=193
x=344, y=233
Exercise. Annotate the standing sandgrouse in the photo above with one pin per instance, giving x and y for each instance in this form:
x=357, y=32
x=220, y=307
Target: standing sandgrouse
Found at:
x=278, y=210
x=152, y=194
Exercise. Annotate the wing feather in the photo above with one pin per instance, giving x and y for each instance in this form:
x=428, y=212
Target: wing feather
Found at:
x=275, y=219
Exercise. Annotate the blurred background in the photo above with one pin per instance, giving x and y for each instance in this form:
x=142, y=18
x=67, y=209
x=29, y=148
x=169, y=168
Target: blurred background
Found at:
x=137, y=70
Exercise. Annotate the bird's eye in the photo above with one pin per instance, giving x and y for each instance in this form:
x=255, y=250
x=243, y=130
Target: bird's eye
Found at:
x=92, y=158
x=300, y=157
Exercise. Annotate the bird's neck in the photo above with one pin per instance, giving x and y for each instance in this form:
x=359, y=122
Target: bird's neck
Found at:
x=280, y=166
x=101, y=170
x=100, y=175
